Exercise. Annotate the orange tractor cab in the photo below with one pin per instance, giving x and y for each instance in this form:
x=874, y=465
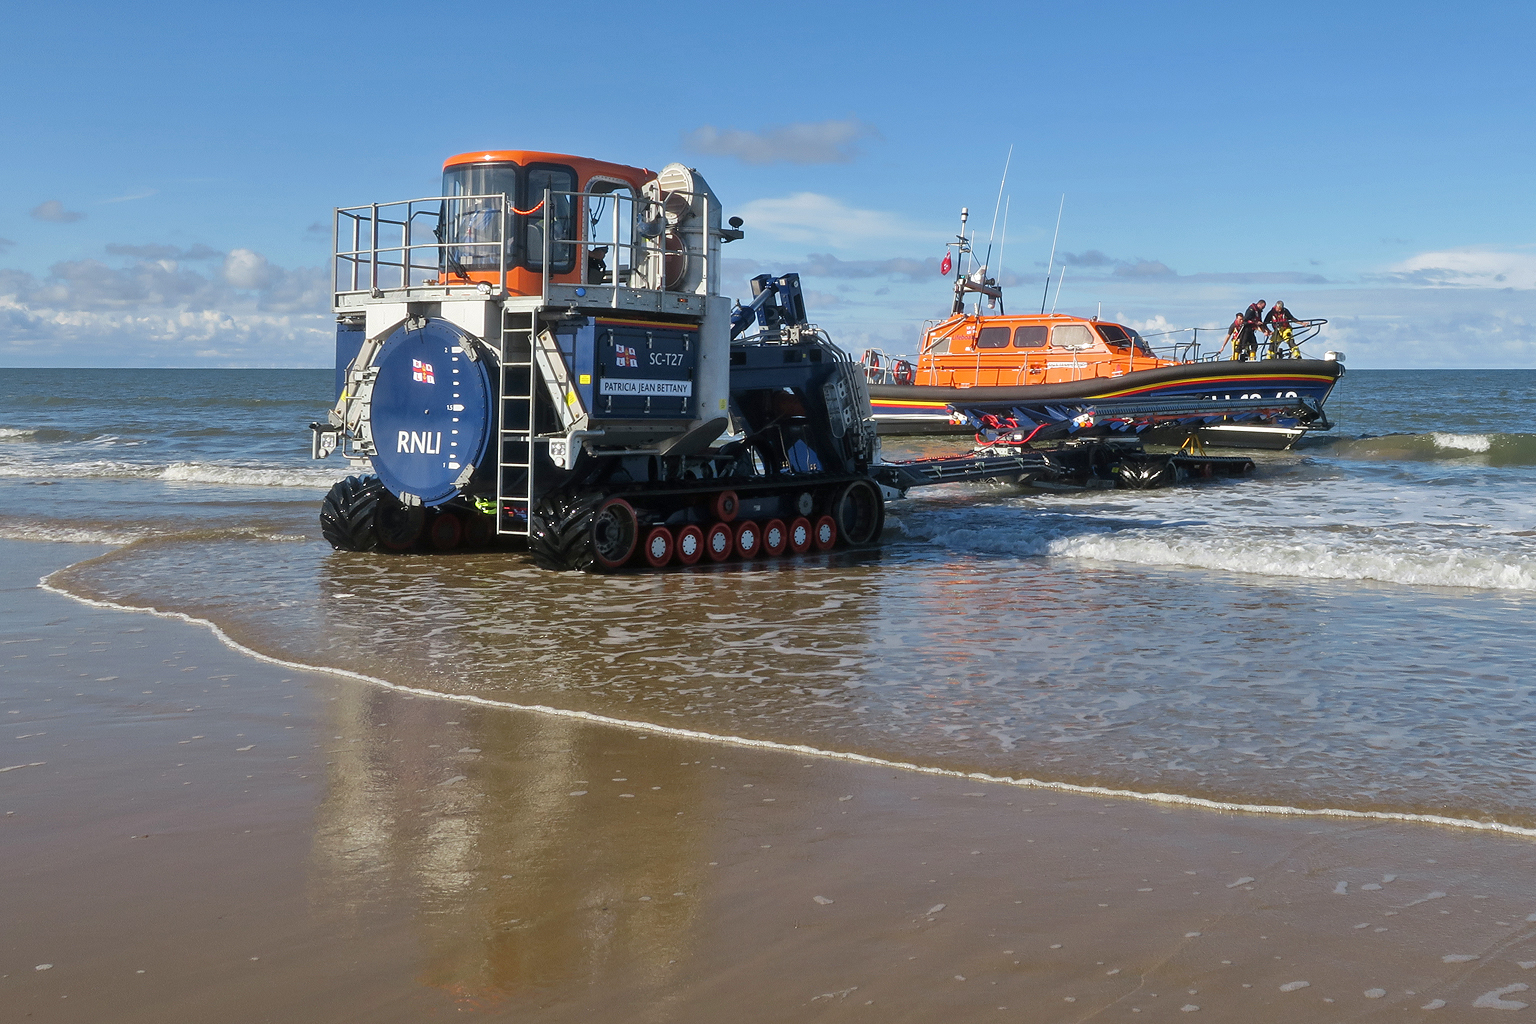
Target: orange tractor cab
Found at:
x=497, y=194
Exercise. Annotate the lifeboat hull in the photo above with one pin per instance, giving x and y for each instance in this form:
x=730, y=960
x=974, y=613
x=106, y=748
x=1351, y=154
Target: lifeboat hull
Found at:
x=1258, y=404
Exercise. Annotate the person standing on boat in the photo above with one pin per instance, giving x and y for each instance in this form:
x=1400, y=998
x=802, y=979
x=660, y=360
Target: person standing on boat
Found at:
x=1233, y=330
x=1279, y=320
x=1247, y=340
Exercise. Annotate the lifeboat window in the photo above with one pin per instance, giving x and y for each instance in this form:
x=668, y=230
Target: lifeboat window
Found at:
x=470, y=229
x=562, y=218
x=1139, y=342
x=940, y=347
x=1115, y=335
x=992, y=337
x=1031, y=337
x=1072, y=336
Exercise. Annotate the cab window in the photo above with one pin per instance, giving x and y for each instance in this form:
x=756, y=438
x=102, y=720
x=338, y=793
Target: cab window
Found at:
x=1072, y=336
x=470, y=229
x=992, y=337
x=562, y=218
x=610, y=216
x=1031, y=337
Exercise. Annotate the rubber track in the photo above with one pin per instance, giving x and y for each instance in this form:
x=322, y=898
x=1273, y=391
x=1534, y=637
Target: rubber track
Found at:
x=348, y=511
x=560, y=534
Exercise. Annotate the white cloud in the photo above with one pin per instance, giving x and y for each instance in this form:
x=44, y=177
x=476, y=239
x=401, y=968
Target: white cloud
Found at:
x=810, y=218
x=246, y=269
x=53, y=211
x=40, y=336
x=824, y=142
x=821, y=264
x=1471, y=267
x=155, y=311
x=157, y=251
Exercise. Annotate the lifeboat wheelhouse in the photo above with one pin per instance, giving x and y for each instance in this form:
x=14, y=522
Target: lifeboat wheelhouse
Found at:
x=1007, y=351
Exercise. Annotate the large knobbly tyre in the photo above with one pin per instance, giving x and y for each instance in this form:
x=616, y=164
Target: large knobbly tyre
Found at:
x=348, y=515
x=560, y=531
x=859, y=512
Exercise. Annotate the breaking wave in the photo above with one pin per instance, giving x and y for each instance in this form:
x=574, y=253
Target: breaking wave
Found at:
x=1491, y=449
x=1463, y=442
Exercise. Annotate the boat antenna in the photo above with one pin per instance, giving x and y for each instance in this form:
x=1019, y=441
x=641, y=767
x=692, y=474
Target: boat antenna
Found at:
x=964, y=246
x=999, y=205
x=1057, y=299
x=1052, y=264
x=995, y=208
x=1001, y=245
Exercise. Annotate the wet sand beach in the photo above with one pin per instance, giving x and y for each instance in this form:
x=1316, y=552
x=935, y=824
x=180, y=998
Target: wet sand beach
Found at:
x=267, y=844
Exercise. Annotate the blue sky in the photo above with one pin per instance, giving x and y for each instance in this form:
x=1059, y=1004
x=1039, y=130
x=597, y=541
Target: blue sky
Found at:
x=169, y=169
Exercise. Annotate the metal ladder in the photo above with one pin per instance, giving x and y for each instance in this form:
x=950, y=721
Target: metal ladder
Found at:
x=515, y=427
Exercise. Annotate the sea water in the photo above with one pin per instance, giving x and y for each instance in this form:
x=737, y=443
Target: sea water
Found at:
x=1347, y=629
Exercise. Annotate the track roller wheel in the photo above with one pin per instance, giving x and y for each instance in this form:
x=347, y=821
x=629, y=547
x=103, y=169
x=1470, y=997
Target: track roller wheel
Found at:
x=445, y=532
x=690, y=544
x=724, y=506
x=348, y=511
x=658, y=547
x=615, y=533
x=749, y=538
x=800, y=535
x=860, y=513
x=825, y=534
x=775, y=537
x=399, y=526
x=719, y=542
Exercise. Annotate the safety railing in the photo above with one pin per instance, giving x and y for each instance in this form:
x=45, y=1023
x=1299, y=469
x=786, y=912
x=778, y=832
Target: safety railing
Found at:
x=380, y=247
x=438, y=242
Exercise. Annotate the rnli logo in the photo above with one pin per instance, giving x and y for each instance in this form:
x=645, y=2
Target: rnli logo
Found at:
x=422, y=372
x=422, y=442
x=624, y=355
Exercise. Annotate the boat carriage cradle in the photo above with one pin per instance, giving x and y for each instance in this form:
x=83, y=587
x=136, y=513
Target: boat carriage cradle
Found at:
x=1053, y=375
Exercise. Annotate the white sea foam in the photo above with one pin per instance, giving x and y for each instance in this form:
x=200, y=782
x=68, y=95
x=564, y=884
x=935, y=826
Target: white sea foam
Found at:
x=803, y=750
x=253, y=476
x=16, y=434
x=181, y=472
x=1339, y=558
x=68, y=533
x=1463, y=442
x=59, y=533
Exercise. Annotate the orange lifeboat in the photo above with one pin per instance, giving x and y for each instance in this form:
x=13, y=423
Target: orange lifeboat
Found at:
x=1052, y=375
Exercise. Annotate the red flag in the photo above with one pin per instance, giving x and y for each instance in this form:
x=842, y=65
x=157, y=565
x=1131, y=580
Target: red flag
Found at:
x=944, y=264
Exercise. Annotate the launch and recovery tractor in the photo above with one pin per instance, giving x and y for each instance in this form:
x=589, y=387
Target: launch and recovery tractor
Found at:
x=542, y=353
